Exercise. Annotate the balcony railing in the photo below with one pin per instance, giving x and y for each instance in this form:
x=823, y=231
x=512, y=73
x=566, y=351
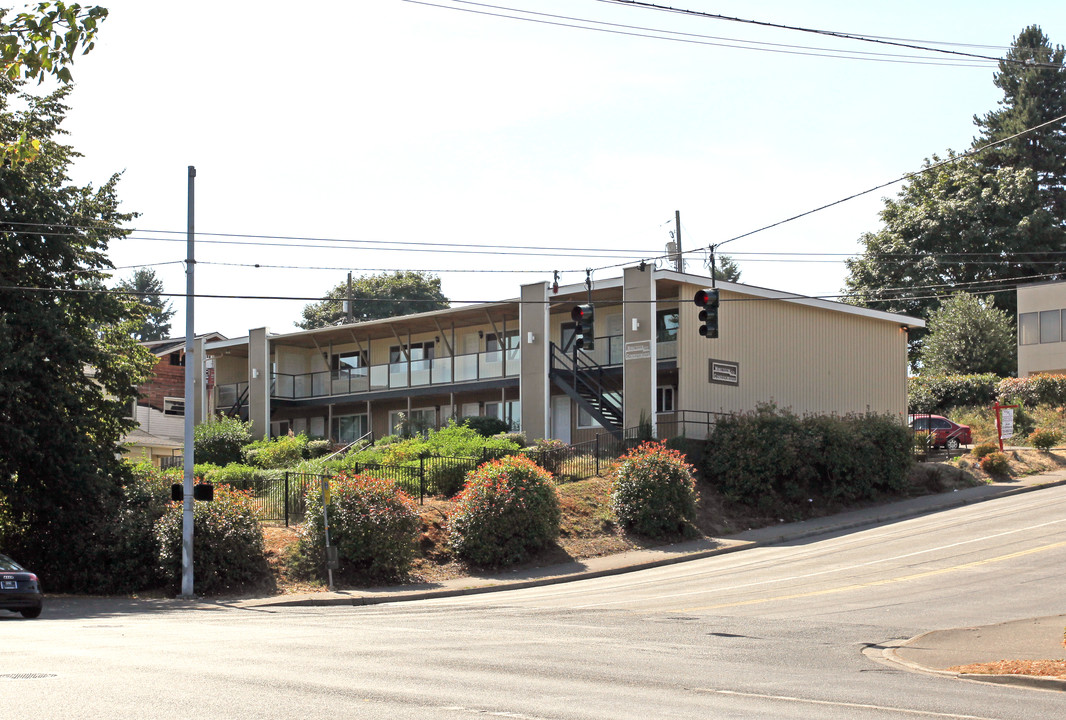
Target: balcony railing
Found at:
x=398, y=375
x=610, y=349
x=229, y=394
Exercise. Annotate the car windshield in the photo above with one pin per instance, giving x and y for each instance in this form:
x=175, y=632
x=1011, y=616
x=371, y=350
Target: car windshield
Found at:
x=8, y=564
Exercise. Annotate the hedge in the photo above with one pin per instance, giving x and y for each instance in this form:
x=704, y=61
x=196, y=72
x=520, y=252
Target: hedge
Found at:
x=939, y=393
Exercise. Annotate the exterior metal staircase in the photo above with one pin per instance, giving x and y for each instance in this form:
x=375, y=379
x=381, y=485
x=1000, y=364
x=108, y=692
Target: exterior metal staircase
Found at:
x=590, y=385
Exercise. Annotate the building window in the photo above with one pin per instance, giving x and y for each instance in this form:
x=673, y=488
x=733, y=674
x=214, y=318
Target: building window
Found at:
x=177, y=358
x=1049, y=326
x=664, y=400
x=418, y=351
x=349, y=428
x=492, y=343
x=347, y=362
x=666, y=322
x=1028, y=328
x=420, y=422
x=174, y=406
x=510, y=412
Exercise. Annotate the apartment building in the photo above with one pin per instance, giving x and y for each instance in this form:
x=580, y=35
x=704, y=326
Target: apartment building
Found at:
x=645, y=361
x=1042, y=329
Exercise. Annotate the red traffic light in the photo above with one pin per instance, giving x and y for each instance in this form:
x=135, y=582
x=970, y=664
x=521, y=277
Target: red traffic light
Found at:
x=706, y=297
x=581, y=313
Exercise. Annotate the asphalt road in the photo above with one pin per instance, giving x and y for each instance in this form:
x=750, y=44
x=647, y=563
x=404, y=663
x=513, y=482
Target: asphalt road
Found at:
x=789, y=631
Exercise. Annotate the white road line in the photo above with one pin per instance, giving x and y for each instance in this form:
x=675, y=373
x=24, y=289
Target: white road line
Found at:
x=862, y=706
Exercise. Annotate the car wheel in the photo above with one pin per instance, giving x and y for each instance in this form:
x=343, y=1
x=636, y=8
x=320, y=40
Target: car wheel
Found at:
x=31, y=613
x=952, y=444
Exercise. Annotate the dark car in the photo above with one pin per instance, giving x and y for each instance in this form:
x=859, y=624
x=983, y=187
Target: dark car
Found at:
x=20, y=591
x=944, y=432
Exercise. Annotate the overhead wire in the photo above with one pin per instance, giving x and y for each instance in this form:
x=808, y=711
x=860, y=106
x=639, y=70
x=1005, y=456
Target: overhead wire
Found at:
x=675, y=36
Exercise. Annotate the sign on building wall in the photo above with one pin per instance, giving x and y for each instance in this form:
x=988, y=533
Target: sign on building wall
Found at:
x=639, y=350
x=723, y=372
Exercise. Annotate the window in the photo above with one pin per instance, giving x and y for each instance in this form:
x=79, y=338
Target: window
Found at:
x=349, y=428
x=177, y=358
x=492, y=343
x=509, y=412
x=347, y=362
x=664, y=399
x=174, y=406
x=1028, y=328
x=421, y=421
x=418, y=351
x=666, y=322
x=1049, y=326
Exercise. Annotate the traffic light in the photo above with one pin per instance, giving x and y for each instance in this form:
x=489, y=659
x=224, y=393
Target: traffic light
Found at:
x=707, y=299
x=583, y=318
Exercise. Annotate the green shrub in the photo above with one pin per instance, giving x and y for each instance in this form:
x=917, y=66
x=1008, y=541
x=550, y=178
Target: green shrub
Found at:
x=372, y=523
x=653, y=492
x=995, y=464
x=200, y=471
x=1044, y=439
x=508, y=510
x=982, y=450
x=445, y=476
x=518, y=438
x=487, y=426
x=281, y=452
x=1034, y=390
x=220, y=442
x=773, y=460
x=237, y=476
x=549, y=454
x=134, y=547
x=318, y=448
x=938, y=394
x=228, y=551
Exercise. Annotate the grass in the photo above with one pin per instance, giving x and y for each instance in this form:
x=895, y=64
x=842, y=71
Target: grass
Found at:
x=982, y=422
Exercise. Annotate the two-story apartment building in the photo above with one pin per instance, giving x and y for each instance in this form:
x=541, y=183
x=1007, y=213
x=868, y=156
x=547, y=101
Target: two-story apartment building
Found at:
x=1042, y=329
x=515, y=360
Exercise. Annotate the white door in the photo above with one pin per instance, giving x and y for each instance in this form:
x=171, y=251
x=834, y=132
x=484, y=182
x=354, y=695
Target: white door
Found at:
x=560, y=420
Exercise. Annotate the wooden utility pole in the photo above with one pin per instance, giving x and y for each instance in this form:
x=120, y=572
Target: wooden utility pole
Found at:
x=679, y=261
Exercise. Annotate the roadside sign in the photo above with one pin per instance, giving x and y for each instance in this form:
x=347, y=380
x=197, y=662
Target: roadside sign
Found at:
x=1006, y=421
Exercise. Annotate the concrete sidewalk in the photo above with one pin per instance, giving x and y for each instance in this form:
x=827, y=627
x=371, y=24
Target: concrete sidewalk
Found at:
x=666, y=554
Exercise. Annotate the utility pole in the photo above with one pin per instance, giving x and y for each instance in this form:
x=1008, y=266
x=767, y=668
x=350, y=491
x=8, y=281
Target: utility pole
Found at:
x=679, y=261
x=191, y=365
x=349, y=297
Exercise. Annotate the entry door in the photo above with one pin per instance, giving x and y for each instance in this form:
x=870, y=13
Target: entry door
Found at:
x=560, y=420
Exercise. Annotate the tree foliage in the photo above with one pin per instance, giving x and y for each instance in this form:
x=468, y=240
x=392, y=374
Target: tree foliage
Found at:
x=377, y=296
x=147, y=289
x=41, y=42
x=969, y=335
x=1032, y=77
x=727, y=269
x=985, y=222
x=69, y=368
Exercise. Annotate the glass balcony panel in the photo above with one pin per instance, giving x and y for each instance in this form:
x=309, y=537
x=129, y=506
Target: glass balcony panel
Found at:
x=490, y=365
x=466, y=367
x=320, y=384
x=615, y=350
x=666, y=350
x=397, y=375
x=227, y=395
x=301, y=386
x=420, y=372
x=442, y=370
x=284, y=386
x=514, y=362
x=379, y=377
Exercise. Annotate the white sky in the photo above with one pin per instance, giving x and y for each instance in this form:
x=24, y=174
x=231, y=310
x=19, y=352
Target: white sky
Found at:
x=387, y=121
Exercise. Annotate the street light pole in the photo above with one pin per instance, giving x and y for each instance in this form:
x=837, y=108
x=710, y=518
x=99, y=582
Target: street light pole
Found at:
x=191, y=365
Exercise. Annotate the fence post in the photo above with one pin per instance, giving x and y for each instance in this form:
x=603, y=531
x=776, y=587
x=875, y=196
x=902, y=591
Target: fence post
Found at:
x=597, y=454
x=286, y=498
x=421, y=477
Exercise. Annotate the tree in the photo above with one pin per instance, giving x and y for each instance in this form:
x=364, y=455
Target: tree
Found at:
x=43, y=42
x=969, y=335
x=69, y=368
x=148, y=289
x=959, y=224
x=377, y=296
x=727, y=269
x=1033, y=80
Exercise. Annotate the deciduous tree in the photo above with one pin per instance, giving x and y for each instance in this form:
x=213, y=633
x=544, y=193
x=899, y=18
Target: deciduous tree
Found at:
x=377, y=296
x=969, y=335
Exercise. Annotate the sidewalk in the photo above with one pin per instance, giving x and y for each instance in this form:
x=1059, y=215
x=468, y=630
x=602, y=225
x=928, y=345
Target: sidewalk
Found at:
x=666, y=554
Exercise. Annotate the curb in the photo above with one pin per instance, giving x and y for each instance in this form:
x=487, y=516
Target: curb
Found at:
x=1034, y=682
x=502, y=585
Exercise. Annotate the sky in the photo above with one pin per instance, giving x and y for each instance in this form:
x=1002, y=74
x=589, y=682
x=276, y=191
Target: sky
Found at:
x=384, y=134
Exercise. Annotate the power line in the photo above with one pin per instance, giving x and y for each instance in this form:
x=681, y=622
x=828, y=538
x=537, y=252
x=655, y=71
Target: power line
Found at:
x=828, y=33
x=666, y=35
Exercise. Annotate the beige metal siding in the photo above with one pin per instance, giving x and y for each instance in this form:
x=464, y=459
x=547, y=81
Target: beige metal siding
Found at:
x=1041, y=357
x=807, y=359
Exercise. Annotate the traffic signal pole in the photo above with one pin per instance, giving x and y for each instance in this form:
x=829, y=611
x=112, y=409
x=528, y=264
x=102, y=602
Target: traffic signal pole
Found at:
x=191, y=365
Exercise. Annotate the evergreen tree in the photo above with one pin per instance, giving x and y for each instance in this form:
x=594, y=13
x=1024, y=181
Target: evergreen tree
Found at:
x=1032, y=77
x=69, y=368
x=147, y=288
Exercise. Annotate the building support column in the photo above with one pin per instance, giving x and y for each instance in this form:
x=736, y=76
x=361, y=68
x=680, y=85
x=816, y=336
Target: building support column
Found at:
x=259, y=381
x=534, y=387
x=639, y=366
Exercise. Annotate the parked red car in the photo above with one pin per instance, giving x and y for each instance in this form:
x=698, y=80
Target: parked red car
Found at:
x=945, y=433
